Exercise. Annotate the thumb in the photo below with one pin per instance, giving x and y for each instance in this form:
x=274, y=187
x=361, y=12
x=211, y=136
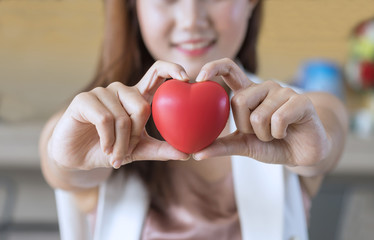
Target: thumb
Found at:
x=233, y=144
x=152, y=149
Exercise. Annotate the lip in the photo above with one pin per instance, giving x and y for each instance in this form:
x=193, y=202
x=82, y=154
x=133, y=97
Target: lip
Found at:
x=194, y=47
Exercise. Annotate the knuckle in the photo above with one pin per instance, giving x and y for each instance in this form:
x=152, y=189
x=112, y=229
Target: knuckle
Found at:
x=278, y=119
x=123, y=122
x=257, y=118
x=105, y=118
x=158, y=62
x=304, y=101
x=239, y=100
x=278, y=127
x=81, y=97
x=144, y=109
x=287, y=91
x=115, y=85
x=228, y=61
x=210, y=66
x=133, y=90
x=207, y=67
x=98, y=90
x=272, y=84
x=224, y=64
x=177, y=67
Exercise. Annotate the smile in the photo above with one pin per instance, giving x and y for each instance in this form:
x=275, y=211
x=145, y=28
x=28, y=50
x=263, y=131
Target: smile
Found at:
x=194, y=48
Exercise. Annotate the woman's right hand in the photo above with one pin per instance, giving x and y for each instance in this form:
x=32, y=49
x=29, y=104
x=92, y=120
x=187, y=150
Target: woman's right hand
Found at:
x=106, y=126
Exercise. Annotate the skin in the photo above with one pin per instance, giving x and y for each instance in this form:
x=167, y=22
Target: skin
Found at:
x=104, y=128
x=167, y=24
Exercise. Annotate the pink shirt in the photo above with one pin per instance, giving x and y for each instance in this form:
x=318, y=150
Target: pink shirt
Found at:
x=201, y=210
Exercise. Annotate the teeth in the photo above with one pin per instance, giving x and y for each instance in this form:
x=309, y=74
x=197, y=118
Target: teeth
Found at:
x=194, y=46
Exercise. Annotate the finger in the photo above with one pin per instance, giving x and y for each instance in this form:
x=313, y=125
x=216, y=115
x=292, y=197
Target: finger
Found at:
x=232, y=144
x=261, y=118
x=245, y=145
x=152, y=149
x=246, y=101
x=138, y=110
x=156, y=75
x=96, y=114
x=122, y=124
x=230, y=72
x=297, y=109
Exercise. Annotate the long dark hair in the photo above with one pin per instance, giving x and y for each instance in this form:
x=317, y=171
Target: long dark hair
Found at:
x=124, y=58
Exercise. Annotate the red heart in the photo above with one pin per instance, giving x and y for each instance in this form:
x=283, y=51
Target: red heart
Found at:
x=190, y=116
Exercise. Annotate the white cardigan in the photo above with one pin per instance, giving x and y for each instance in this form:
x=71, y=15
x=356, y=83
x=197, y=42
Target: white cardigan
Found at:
x=268, y=200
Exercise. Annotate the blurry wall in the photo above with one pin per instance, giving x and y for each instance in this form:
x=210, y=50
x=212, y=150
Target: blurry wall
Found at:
x=49, y=48
x=295, y=30
x=48, y=51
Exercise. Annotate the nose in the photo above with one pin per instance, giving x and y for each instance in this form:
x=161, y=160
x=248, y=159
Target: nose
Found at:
x=192, y=15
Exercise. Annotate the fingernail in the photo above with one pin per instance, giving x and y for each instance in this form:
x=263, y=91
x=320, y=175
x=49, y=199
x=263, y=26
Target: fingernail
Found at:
x=185, y=159
x=201, y=76
x=107, y=151
x=117, y=164
x=197, y=158
x=184, y=76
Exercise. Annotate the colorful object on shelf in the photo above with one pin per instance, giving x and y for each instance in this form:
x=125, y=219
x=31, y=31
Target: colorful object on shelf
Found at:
x=190, y=116
x=321, y=75
x=362, y=122
x=360, y=63
x=367, y=73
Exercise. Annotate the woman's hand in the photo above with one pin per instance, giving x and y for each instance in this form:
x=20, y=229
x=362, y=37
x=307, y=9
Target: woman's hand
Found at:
x=106, y=126
x=274, y=124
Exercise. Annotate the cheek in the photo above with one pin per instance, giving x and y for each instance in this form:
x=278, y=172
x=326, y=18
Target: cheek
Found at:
x=146, y=24
x=231, y=23
x=153, y=27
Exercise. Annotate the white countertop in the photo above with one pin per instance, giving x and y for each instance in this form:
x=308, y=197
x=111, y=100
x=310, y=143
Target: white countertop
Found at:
x=19, y=149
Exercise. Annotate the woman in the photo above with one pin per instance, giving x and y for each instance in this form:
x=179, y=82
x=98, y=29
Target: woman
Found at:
x=219, y=196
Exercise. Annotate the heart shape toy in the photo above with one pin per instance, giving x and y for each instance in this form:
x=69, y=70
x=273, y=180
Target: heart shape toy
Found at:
x=190, y=116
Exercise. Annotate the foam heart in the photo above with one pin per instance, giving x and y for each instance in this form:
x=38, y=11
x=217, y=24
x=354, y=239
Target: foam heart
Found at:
x=190, y=116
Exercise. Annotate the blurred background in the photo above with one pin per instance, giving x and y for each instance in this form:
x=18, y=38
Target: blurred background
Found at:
x=49, y=51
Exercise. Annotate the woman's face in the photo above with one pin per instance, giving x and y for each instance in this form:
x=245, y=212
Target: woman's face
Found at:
x=193, y=32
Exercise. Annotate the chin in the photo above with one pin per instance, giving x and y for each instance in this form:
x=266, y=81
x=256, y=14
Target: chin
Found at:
x=192, y=72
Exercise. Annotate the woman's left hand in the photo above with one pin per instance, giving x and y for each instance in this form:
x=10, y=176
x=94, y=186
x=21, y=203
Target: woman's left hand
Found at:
x=274, y=123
